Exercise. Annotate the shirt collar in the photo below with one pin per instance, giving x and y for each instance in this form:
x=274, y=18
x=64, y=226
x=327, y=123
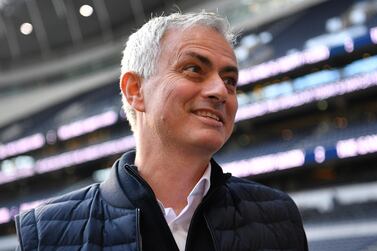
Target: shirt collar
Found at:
x=202, y=186
x=200, y=189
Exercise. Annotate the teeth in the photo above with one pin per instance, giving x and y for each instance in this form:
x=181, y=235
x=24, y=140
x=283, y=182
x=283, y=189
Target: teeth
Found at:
x=208, y=114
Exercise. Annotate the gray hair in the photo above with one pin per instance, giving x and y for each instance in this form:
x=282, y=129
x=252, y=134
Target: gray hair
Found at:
x=142, y=49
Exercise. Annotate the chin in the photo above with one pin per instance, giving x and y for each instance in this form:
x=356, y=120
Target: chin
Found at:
x=209, y=145
x=204, y=140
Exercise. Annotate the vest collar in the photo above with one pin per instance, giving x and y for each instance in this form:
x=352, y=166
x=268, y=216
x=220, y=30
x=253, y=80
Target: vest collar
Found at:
x=125, y=188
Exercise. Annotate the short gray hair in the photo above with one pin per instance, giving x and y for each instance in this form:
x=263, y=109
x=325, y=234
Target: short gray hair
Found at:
x=142, y=49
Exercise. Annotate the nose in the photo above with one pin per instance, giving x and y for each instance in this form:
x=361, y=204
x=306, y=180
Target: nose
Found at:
x=216, y=90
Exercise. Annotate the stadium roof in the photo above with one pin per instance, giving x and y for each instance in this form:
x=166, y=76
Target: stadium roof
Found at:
x=32, y=29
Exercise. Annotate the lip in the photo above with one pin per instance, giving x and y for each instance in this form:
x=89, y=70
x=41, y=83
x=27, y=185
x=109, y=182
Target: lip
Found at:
x=217, y=113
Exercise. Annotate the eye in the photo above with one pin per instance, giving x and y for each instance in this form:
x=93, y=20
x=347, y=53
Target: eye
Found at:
x=230, y=81
x=193, y=68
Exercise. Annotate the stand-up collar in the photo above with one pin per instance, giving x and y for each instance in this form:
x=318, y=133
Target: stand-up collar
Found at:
x=125, y=188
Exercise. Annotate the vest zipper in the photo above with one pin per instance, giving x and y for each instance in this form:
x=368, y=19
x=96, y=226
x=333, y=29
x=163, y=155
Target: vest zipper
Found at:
x=204, y=201
x=138, y=233
x=212, y=234
x=136, y=176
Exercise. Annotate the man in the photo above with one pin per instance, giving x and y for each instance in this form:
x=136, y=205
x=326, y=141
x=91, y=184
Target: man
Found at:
x=178, y=83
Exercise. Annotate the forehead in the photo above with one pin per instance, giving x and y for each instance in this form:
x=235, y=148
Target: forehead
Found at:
x=196, y=38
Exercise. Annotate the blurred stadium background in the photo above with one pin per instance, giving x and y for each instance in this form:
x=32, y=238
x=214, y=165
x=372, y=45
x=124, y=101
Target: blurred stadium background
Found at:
x=307, y=119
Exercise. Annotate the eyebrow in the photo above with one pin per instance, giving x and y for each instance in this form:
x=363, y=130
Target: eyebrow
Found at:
x=231, y=69
x=208, y=63
x=201, y=58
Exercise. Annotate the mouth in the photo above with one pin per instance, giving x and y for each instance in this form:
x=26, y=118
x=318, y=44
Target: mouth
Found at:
x=209, y=114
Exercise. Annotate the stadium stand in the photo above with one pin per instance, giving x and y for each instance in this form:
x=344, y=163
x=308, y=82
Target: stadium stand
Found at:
x=307, y=119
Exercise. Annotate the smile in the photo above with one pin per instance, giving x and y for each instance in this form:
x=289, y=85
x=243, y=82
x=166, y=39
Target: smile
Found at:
x=208, y=114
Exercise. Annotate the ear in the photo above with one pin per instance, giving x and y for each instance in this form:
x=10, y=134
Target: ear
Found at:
x=131, y=88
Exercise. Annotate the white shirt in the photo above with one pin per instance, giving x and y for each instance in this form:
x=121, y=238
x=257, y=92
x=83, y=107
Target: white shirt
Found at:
x=179, y=225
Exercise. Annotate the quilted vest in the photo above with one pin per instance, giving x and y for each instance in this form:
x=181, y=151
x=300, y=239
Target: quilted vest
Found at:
x=122, y=214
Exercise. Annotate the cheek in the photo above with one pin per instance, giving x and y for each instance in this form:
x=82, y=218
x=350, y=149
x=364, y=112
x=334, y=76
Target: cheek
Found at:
x=232, y=110
x=179, y=93
x=169, y=100
x=232, y=107
x=156, y=93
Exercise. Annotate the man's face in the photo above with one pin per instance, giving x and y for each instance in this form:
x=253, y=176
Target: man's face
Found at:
x=191, y=101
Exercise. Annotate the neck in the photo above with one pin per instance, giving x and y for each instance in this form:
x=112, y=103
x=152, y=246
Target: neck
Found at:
x=171, y=172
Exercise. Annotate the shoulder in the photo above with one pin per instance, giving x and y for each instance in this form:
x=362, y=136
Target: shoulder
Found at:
x=248, y=208
x=251, y=189
x=258, y=196
x=76, y=218
x=244, y=189
x=60, y=206
x=79, y=195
